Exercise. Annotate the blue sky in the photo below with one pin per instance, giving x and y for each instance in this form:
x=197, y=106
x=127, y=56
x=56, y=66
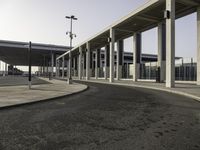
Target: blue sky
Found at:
x=44, y=21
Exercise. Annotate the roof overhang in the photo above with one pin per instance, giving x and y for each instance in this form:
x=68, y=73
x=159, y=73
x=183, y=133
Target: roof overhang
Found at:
x=16, y=53
x=144, y=18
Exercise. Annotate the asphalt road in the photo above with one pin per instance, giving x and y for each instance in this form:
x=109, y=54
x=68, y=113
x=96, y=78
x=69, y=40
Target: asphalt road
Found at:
x=105, y=117
x=19, y=80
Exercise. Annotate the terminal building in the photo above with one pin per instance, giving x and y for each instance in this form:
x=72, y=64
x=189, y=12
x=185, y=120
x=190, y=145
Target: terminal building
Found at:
x=97, y=58
x=42, y=58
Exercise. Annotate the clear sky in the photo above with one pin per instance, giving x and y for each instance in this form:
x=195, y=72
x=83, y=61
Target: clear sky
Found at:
x=44, y=21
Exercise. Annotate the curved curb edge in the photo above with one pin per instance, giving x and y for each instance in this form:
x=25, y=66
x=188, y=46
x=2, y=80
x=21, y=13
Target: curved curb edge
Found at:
x=44, y=100
x=197, y=98
x=169, y=91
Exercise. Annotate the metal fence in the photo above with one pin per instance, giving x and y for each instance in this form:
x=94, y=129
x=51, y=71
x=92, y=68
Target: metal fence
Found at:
x=148, y=70
x=185, y=70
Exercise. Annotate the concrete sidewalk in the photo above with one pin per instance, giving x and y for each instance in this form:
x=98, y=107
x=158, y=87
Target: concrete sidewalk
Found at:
x=16, y=95
x=189, y=90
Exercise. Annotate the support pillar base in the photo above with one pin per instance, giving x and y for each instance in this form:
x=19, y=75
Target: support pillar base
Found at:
x=69, y=81
x=119, y=73
x=136, y=74
x=29, y=85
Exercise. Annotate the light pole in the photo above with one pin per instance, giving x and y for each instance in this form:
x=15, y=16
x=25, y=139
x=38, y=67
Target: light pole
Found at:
x=71, y=35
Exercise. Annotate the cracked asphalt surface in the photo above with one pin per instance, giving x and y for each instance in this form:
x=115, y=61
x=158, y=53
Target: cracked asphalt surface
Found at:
x=105, y=117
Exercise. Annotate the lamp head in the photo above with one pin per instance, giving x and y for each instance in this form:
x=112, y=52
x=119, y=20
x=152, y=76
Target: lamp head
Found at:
x=67, y=17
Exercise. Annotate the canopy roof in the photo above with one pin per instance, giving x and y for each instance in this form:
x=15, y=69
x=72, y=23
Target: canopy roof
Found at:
x=144, y=18
x=16, y=53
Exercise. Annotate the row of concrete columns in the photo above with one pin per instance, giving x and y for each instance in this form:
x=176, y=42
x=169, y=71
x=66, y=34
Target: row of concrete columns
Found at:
x=48, y=66
x=109, y=57
x=166, y=52
x=62, y=63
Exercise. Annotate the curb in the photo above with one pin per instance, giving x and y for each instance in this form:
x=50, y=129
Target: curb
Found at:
x=42, y=100
x=197, y=98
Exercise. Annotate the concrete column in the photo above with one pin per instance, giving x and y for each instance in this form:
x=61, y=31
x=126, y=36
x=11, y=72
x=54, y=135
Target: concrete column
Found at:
x=73, y=66
x=120, y=58
x=105, y=64
x=63, y=66
x=101, y=65
x=170, y=44
x=39, y=70
x=68, y=68
x=198, y=46
x=76, y=66
x=112, y=43
x=44, y=63
x=13, y=70
x=162, y=50
x=6, y=69
x=91, y=64
x=88, y=61
x=48, y=62
x=58, y=68
x=97, y=62
x=106, y=59
x=136, y=55
x=96, y=68
x=52, y=64
x=84, y=64
x=80, y=64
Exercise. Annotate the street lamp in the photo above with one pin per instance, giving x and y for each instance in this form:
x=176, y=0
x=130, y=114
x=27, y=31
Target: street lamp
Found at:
x=71, y=35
